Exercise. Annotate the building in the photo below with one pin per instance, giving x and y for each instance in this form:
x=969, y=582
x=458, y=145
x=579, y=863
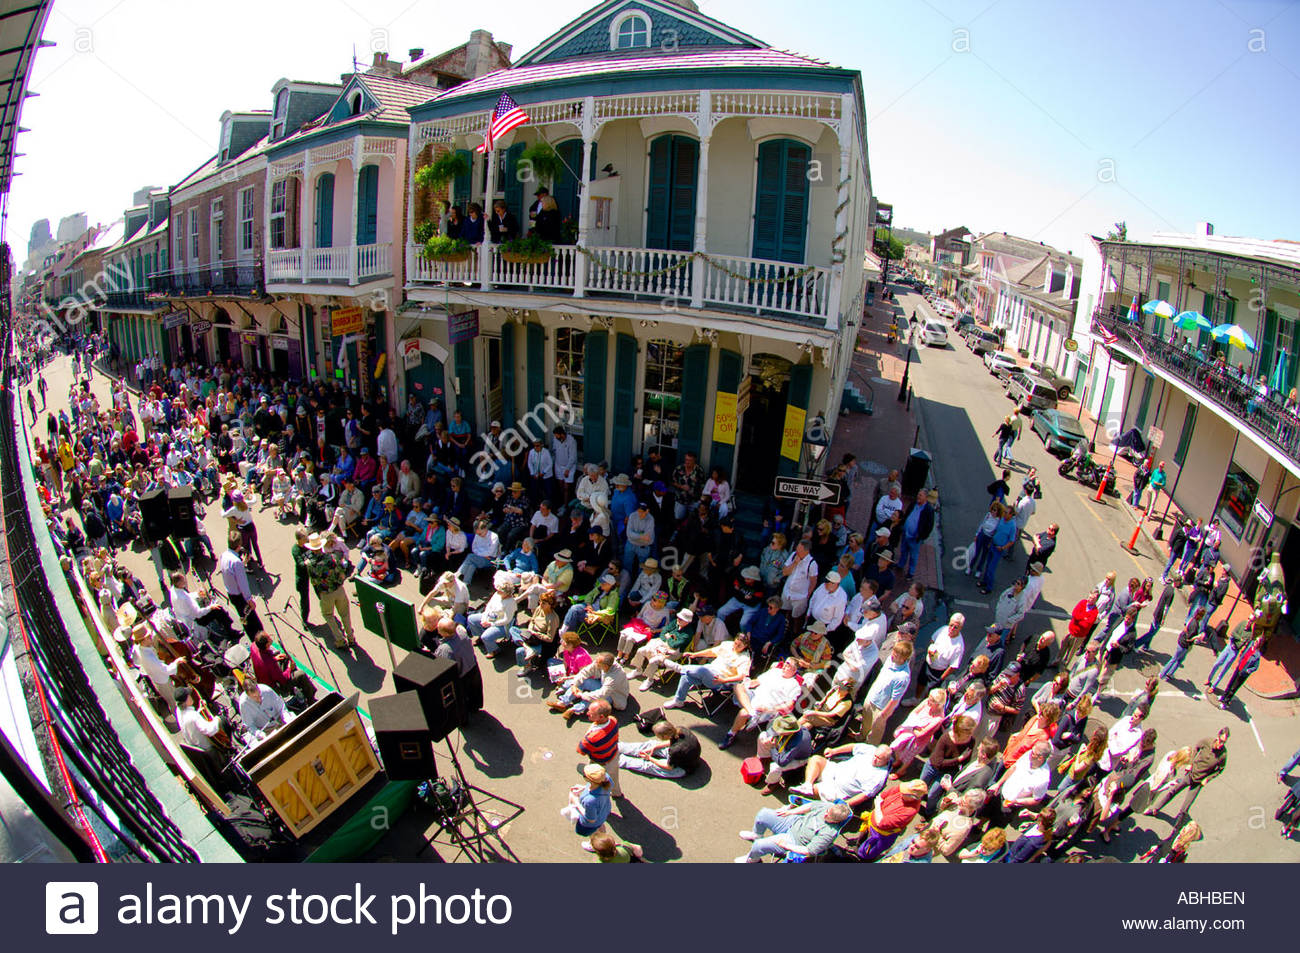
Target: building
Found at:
x=950, y=253
x=134, y=318
x=716, y=198
x=1231, y=447
x=1031, y=291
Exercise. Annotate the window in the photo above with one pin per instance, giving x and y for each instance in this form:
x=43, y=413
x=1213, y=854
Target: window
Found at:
x=281, y=112
x=570, y=345
x=354, y=103
x=178, y=238
x=630, y=32
x=663, y=397
x=781, y=201
x=279, y=206
x=225, y=143
x=217, y=228
x=1236, y=500
x=1185, y=438
x=246, y=220
x=194, y=236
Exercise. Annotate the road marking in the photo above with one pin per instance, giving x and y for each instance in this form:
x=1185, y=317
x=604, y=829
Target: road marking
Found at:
x=1255, y=731
x=970, y=604
x=1164, y=693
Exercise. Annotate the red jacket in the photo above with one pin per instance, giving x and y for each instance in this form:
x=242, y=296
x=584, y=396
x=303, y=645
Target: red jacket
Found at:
x=1082, y=620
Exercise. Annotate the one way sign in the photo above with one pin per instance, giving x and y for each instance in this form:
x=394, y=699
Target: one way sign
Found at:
x=813, y=491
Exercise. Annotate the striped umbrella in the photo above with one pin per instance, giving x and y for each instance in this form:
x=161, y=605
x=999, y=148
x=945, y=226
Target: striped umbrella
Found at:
x=1193, y=321
x=1278, y=381
x=1132, y=316
x=1161, y=309
x=1233, y=334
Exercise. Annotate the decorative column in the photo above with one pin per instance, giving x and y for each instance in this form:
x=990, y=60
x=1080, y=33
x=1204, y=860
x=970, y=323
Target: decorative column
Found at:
x=839, y=244
x=485, y=249
x=356, y=205
x=588, y=126
x=306, y=240
x=704, y=124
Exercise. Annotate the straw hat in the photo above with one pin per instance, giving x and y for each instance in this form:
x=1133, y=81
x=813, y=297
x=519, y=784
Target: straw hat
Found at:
x=785, y=725
x=127, y=616
x=315, y=542
x=595, y=774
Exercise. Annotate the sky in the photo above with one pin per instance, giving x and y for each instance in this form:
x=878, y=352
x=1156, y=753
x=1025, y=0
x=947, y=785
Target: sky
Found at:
x=1047, y=120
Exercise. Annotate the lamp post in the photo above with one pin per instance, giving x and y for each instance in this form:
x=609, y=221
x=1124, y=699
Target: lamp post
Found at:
x=815, y=444
x=907, y=368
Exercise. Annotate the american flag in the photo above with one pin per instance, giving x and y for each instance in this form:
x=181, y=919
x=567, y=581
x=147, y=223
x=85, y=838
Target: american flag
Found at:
x=1107, y=338
x=505, y=117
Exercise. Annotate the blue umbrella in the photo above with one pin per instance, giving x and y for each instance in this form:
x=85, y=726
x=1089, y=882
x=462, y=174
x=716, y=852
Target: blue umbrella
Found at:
x=1192, y=320
x=1278, y=381
x=1161, y=309
x=1233, y=334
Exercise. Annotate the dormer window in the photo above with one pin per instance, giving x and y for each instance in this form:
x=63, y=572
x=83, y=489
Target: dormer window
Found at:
x=354, y=103
x=281, y=112
x=225, y=143
x=630, y=32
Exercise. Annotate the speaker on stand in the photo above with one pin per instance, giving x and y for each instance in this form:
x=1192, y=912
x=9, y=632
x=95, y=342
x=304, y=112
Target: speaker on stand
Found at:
x=436, y=682
x=180, y=512
x=403, y=737
x=155, y=516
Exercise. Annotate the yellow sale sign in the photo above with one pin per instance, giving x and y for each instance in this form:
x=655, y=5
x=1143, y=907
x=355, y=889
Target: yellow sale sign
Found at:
x=724, y=419
x=792, y=437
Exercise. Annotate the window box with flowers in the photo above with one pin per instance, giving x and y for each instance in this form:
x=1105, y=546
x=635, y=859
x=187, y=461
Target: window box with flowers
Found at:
x=530, y=250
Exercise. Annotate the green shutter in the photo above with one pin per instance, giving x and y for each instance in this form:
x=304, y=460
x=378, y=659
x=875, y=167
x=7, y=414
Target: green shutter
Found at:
x=620, y=452
x=670, y=213
x=781, y=204
x=797, y=396
x=1207, y=309
x=325, y=211
x=1266, y=345
x=508, y=374
x=1293, y=361
x=465, y=375
x=595, y=353
x=1185, y=438
x=461, y=186
x=1141, y=422
x=368, y=205
x=730, y=365
x=695, y=391
x=567, y=187
x=536, y=366
x=514, y=190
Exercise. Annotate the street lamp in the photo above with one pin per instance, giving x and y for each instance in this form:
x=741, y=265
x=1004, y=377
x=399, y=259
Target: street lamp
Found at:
x=816, y=441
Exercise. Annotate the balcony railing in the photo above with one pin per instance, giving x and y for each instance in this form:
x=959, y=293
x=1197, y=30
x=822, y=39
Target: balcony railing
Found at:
x=234, y=278
x=1267, y=413
x=747, y=285
x=137, y=300
x=345, y=264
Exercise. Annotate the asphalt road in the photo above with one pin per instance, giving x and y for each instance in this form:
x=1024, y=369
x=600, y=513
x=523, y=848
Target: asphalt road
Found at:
x=961, y=404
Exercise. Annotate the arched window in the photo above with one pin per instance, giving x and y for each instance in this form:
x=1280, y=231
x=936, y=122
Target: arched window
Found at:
x=354, y=103
x=281, y=112
x=630, y=32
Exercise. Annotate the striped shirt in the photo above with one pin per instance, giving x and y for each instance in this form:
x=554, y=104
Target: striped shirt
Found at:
x=600, y=743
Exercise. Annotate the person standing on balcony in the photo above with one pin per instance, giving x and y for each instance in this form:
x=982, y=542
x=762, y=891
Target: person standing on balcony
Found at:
x=545, y=216
x=503, y=225
x=471, y=230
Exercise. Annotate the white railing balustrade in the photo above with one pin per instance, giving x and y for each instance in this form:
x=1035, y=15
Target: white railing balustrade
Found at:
x=374, y=260
x=327, y=263
x=284, y=264
x=558, y=272
x=421, y=269
x=640, y=271
x=758, y=285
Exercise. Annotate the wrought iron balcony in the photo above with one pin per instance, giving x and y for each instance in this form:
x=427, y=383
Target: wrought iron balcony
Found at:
x=1270, y=415
x=238, y=279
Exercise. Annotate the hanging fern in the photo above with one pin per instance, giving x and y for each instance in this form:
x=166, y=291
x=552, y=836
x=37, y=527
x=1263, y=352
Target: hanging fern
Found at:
x=442, y=170
x=543, y=160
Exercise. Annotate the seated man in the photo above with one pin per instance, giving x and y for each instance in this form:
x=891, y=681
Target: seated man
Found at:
x=600, y=605
x=279, y=671
x=762, y=699
x=805, y=830
x=955, y=822
x=729, y=663
x=855, y=779
x=261, y=710
x=604, y=678
x=674, y=753
x=485, y=550
x=348, y=512
x=784, y=746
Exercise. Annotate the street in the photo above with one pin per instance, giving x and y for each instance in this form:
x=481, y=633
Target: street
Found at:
x=960, y=406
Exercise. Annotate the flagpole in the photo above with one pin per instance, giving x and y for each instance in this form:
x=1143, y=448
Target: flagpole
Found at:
x=1100, y=408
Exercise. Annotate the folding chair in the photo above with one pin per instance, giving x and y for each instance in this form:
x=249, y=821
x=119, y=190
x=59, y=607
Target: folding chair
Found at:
x=712, y=700
x=594, y=633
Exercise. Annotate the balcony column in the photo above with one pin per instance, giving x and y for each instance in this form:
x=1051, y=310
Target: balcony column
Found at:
x=699, y=268
x=584, y=199
x=485, y=249
x=305, y=201
x=843, y=199
x=356, y=202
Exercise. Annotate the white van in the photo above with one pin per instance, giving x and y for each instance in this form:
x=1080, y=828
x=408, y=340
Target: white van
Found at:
x=934, y=333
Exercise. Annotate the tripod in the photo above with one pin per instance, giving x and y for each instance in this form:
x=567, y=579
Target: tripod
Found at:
x=471, y=825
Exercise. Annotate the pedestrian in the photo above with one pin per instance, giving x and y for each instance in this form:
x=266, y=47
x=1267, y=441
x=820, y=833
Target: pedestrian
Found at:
x=1172, y=585
x=1177, y=543
x=301, y=578
x=600, y=744
x=589, y=804
x=1209, y=758
x=1245, y=665
x=1083, y=621
x=918, y=525
x=1157, y=483
x=1001, y=544
x=1289, y=767
x=328, y=571
x=1189, y=636
x=999, y=488
x=1005, y=434
x=1242, y=633
x=1045, y=545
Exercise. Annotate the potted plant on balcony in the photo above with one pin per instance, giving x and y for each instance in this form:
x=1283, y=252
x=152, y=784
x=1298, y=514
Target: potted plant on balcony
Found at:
x=424, y=231
x=442, y=248
x=527, y=251
x=542, y=161
x=442, y=170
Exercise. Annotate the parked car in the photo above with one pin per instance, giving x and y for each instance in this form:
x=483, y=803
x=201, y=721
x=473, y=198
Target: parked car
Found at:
x=1059, y=432
x=1028, y=389
x=982, y=342
x=1062, y=385
x=934, y=333
x=1000, y=363
x=963, y=321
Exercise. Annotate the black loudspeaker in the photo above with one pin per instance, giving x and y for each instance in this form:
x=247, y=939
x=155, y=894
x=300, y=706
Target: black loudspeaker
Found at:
x=155, y=516
x=403, y=737
x=436, y=683
x=180, y=506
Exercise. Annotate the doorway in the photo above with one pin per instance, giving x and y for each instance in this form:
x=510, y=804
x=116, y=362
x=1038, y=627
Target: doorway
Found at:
x=763, y=424
x=495, y=394
x=1291, y=569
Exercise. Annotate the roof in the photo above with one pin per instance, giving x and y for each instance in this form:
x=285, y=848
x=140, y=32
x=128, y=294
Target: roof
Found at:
x=110, y=236
x=1282, y=251
x=519, y=77
x=21, y=24
x=395, y=96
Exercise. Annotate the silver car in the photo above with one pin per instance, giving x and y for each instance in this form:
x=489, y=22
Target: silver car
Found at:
x=1026, y=389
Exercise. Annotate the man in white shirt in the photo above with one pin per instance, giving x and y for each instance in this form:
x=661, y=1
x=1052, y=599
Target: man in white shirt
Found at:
x=860, y=657
x=855, y=780
x=875, y=626
x=890, y=505
x=828, y=602
x=546, y=520
x=146, y=657
x=541, y=470
x=943, y=657
x=485, y=548
x=196, y=728
x=386, y=445
x=564, y=451
x=591, y=483
x=185, y=607
x=800, y=573
x=235, y=576
x=261, y=710
x=1025, y=785
x=762, y=699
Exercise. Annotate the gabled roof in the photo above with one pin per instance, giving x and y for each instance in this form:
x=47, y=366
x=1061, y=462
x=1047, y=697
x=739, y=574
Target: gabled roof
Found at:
x=517, y=77
x=688, y=16
x=395, y=96
x=110, y=236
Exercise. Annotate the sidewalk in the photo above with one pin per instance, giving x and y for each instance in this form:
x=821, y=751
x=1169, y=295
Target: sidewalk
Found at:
x=883, y=440
x=1279, y=673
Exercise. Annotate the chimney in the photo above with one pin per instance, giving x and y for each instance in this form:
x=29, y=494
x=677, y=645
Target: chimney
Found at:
x=504, y=49
x=415, y=53
x=1204, y=229
x=478, y=54
x=380, y=61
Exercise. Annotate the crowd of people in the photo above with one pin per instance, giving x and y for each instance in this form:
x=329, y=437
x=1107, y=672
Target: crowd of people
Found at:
x=802, y=642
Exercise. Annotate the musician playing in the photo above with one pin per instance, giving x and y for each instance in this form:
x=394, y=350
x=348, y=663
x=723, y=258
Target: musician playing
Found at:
x=261, y=710
x=198, y=729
